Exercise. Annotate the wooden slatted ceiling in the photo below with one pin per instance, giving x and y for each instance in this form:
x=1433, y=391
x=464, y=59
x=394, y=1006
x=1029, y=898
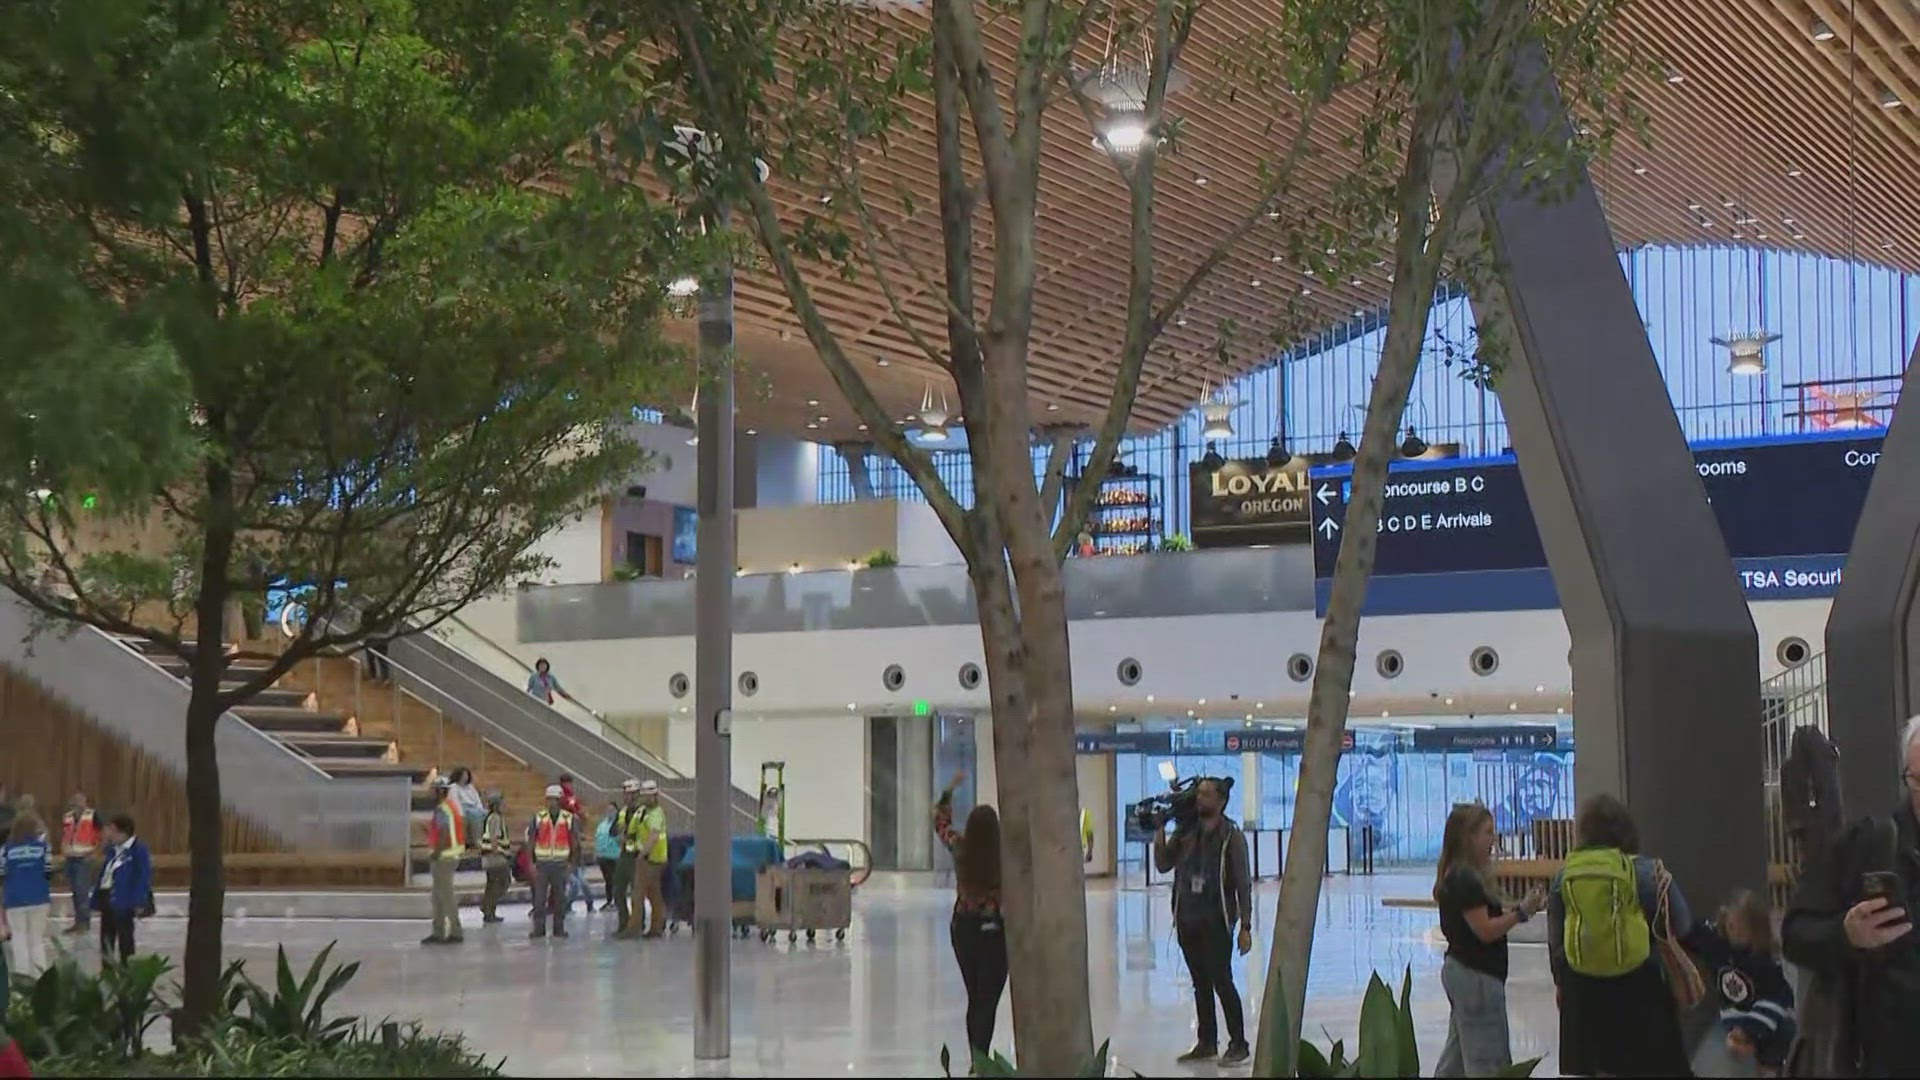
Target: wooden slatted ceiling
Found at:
x=1759, y=117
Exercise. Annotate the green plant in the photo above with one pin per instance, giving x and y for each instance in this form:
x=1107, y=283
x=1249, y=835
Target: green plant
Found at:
x=66, y=1011
x=1176, y=542
x=995, y=1064
x=233, y=1052
x=1386, y=1045
x=626, y=573
x=882, y=558
x=294, y=1012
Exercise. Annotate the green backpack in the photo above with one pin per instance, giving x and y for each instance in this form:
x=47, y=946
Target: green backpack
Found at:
x=1606, y=932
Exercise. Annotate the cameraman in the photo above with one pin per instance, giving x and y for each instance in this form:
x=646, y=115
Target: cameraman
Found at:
x=1212, y=894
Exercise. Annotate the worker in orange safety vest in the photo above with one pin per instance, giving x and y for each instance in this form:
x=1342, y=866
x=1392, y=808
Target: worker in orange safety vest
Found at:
x=554, y=839
x=80, y=844
x=447, y=844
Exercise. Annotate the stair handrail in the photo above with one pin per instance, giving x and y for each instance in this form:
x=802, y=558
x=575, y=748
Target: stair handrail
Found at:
x=494, y=727
x=600, y=725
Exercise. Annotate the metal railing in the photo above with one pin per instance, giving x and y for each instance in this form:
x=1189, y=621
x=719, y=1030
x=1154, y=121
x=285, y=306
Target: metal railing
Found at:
x=461, y=637
x=262, y=779
x=510, y=744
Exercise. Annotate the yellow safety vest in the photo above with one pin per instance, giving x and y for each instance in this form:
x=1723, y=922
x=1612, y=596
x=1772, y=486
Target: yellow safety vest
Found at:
x=1086, y=828
x=652, y=819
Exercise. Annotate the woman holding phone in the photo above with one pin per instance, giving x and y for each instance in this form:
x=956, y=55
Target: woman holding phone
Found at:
x=1475, y=919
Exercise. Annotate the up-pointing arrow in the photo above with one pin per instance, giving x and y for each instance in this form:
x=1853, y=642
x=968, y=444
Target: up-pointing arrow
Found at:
x=1324, y=493
x=1329, y=527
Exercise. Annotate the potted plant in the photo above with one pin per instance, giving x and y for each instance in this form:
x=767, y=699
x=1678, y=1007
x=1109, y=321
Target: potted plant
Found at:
x=1176, y=542
x=882, y=558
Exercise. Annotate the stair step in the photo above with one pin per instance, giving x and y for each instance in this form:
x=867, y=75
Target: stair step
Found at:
x=304, y=722
x=243, y=669
x=320, y=744
x=277, y=698
x=368, y=767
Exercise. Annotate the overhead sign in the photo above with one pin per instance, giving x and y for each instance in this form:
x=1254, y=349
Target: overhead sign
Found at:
x=1276, y=742
x=1787, y=510
x=1519, y=737
x=1246, y=502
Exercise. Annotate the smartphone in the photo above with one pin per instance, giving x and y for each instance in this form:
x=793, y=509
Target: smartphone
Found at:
x=1881, y=885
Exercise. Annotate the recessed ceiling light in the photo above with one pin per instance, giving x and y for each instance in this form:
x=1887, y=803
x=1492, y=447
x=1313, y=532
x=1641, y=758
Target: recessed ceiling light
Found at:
x=1273, y=215
x=1384, y=714
x=1675, y=77
x=1255, y=282
x=1794, y=170
x=1639, y=170
x=1305, y=291
x=813, y=427
x=1113, y=708
x=1889, y=100
x=1053, y=406
x=1726, y=201
x=1181, y=321
x=1259, y=704
x=1203, y=701
x=1353, y=281
x=1799, y=236
x=882, y=362
x=1886, y=245
x=1449, y=701
x=813, y=401
x=826, y=199
x=1821, y=31
x=863, y=427
x=1276, y=258
x=1513, y=706
x=1201, y=180
x=1539, y=688
x=1562, y=710
x=751, y=431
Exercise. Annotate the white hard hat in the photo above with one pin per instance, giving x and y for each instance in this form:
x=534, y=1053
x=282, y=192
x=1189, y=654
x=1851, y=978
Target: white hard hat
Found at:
x=629, y=784
x=649, y=788
x=554, y=792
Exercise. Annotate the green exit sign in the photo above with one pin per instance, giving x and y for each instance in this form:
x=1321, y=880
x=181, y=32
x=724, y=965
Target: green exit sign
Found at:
x=922, y=708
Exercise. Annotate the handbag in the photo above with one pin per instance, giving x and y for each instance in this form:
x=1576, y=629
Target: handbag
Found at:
x=1683, y=975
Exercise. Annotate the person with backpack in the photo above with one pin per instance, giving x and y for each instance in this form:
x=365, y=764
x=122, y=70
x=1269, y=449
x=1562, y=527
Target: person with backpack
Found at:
x=1475, y=920
x=1610, y=912
x=1851, y=923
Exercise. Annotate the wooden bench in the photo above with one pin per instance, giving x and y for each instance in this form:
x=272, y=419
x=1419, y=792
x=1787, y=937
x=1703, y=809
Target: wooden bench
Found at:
x=281, y=869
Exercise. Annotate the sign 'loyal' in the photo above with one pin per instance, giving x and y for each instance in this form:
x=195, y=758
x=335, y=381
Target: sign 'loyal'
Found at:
x=1246, y=501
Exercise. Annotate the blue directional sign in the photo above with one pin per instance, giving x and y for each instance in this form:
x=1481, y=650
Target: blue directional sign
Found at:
x=1787, y=510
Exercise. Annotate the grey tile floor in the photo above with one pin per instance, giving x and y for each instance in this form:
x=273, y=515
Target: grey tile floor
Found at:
x=879, y=1005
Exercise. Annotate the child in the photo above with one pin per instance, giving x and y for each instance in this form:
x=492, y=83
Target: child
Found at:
x=27, y=862
x=1756, y=1000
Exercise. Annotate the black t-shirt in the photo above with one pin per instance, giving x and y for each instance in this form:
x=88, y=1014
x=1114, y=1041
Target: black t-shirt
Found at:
x=1462, y=891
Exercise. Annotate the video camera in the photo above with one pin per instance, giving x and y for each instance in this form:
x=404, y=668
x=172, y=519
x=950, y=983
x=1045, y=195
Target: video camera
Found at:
x=1177, y=804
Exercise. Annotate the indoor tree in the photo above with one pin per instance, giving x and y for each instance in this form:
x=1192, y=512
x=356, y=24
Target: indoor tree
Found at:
x=1472, y=79
x=839, y=99
x=327, y=293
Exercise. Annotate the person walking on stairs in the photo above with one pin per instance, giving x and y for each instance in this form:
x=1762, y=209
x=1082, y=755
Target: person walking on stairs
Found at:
x=620, y=893
x=647, y=837
x=80, y=846
x=554, y=836
x=447, y=843
x=496, y=858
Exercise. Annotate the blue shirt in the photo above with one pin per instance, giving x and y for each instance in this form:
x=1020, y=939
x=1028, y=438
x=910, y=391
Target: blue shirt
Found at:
x=605, y=844
x=543, y=687
x=28, y=869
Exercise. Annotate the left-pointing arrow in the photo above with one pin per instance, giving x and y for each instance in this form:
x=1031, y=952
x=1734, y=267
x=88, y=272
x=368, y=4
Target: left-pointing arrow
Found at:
x=1324, y=494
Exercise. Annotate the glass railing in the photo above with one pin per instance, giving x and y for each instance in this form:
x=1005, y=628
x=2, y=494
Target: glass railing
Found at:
x=1241, y=581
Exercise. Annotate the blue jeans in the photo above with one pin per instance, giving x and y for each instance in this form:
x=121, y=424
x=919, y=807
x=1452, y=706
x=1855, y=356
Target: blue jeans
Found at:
x=80, y=874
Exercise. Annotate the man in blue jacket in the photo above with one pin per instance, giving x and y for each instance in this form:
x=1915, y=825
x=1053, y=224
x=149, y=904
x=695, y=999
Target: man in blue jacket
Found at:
x=125, y=891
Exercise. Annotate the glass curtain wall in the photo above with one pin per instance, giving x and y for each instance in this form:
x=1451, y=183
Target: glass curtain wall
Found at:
x=1846, y=328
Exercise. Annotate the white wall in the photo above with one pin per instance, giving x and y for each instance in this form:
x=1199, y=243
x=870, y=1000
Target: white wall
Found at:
x=671, y=474
x=575, y=550
x=923, y=541
x=826, y=758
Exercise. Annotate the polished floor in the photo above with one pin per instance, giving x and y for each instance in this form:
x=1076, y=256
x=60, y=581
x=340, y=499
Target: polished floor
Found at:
x=882, y=1004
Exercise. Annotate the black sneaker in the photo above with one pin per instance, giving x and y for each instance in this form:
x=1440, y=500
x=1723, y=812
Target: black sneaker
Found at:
x=433, y=939
x=1200, y=1052
x=1237, y=1054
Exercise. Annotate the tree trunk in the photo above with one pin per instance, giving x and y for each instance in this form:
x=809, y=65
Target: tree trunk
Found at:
x=206, y=899
x=1292, y=947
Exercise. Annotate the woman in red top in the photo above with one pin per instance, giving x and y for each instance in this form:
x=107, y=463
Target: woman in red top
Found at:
x=979, y=933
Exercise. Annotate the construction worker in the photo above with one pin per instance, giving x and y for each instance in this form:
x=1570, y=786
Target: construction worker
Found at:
x=647, y=839
x=554, y=836
x=1086, y=835
x=496, y=858
x=80, y=843
x=446, y=844
x=623, y=872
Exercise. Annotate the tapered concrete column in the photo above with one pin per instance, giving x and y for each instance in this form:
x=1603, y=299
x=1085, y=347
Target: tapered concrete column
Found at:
x=1665, y=657
x=1873, y=629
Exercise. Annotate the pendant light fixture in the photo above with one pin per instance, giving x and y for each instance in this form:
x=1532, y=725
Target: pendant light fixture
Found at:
x=1413, y=445
x=933, y=417
x=1343, y=448
x=1216, y=409
x=1212, y=462
x=1277, y=453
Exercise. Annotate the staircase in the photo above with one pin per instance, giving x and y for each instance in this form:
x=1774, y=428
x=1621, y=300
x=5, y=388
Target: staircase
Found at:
x=330, y=738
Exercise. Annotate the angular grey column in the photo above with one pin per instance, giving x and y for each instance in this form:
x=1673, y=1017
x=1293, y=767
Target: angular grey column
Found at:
x=1873, y=628
x=713, y=669
x=1665, y=656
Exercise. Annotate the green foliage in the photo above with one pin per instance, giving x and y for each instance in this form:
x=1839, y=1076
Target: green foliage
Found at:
x=1386, y=1045
x=996, y=1064
x=1177, y=542
x=332, y=289
x=67, y=1011
x=363, y=1053
x=882, y=558
x=293, y=1012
